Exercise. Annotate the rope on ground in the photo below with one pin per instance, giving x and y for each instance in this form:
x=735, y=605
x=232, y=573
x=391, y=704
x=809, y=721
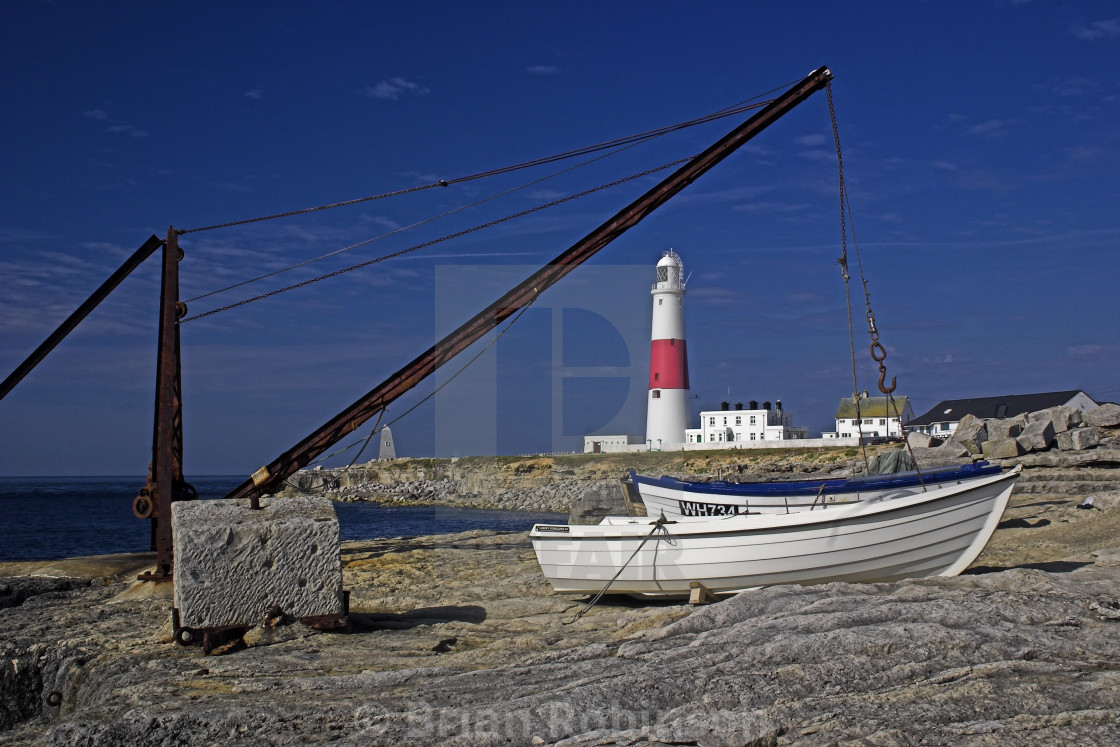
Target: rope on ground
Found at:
x=658, y=525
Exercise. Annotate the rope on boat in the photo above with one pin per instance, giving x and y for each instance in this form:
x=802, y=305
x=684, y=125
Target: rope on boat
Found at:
x=657, y=525
x=878, y=352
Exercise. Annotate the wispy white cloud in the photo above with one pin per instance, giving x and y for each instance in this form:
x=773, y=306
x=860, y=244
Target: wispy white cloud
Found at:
x=393, y=88
x=1069, y=87
x=992, y=127
x=1095, y=30
x=1080, y=351
x=115, y=126
x=543, y=69
x=944, y=165
x=254, y=93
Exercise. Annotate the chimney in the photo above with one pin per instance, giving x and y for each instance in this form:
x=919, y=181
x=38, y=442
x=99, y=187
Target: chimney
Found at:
x=738, y=405
x=753, y=404
x=766, y=406
x=725, y=406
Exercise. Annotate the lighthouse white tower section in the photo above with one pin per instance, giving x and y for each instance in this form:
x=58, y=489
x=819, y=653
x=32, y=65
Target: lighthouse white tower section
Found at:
x=667, y=404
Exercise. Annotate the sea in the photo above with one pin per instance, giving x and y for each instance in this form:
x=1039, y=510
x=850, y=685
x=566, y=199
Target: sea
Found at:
x=43, y=518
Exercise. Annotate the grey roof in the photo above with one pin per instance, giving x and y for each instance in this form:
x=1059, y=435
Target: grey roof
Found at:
x=872, y=407
x=1003, y=406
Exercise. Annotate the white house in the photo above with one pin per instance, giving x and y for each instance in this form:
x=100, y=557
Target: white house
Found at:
x=875, y=418
x=740, y=426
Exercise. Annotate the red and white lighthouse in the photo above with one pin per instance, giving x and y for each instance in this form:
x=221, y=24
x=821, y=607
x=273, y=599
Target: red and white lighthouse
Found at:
x=667, y=404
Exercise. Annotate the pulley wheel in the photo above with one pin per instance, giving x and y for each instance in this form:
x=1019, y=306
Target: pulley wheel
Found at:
x=142, y=506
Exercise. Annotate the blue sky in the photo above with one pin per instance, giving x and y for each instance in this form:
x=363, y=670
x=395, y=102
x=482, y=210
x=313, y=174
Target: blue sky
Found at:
x=981, y=153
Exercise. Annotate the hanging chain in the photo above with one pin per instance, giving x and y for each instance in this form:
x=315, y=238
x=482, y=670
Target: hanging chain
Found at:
x=878, y=352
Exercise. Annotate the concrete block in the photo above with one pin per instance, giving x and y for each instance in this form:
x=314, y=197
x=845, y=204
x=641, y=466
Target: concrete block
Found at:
x=971, y=433
x=1037, y=436
x=999, y=429
x=1105, y=416
x=1078, y=439
x=1062, y=418
x=232, y=564
x=1001, y=448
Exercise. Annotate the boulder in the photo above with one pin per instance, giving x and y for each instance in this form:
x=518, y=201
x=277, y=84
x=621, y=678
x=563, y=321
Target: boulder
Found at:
x=598, y=500
x=1037, y=436
x=1006, y=427
x=1078, y=439
x=1062, y=418
x=1104, y=416
x=919, y=440
x=1002, y=448
x=971, y=433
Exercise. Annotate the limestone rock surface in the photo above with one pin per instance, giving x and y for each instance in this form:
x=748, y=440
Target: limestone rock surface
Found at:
x=458, y=639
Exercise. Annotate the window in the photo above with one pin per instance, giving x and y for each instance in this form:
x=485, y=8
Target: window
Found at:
x=882, y=421
x=660, y=301
x=752, y=436
x=725, y=421
x=656, y=375
x=868, y=421
x=656, y=394
x=711, y=421
x=738, y=420
x=753, y=420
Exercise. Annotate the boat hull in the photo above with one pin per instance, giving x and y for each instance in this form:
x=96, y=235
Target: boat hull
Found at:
x=939, y=532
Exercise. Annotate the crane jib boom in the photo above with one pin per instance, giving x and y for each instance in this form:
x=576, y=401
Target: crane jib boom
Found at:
x=266, y=479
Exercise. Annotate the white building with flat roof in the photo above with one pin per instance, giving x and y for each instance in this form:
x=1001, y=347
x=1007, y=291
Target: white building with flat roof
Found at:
x=730, y=427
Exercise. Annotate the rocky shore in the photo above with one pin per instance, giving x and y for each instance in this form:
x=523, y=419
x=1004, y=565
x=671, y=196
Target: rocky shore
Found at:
x=458, y=639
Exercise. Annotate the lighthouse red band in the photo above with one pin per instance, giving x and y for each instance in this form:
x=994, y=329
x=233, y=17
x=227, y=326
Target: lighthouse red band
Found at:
x=668, y=364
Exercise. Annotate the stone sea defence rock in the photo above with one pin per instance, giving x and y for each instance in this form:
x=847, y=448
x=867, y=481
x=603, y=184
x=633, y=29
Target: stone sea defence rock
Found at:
x=1078, y=439
x=1061, y=417
x=971, y=433
x=1037, y=436
x=1000, y=428
x=1002, y=448
x=1105, y=416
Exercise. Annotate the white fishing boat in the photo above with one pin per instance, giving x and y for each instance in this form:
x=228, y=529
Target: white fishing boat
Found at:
x=677, y=498
x=938, y=531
